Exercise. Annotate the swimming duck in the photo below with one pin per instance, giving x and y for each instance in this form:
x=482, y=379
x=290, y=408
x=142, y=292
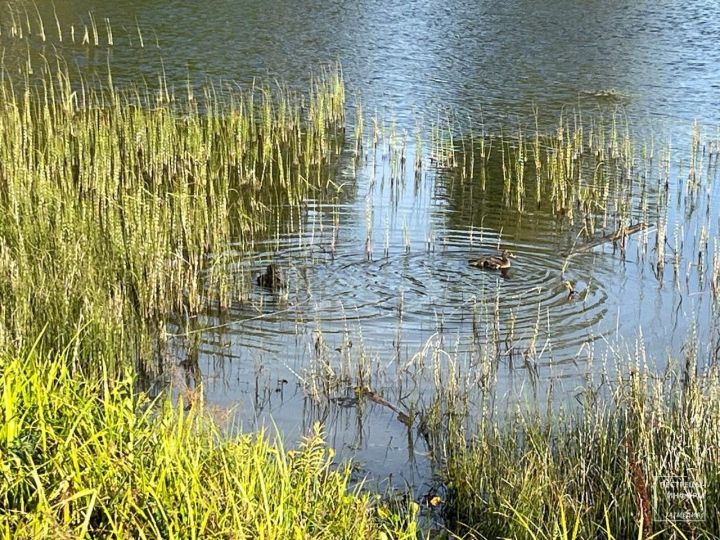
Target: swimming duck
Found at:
x=272, y=278
x=494, y=262
x=572, y=293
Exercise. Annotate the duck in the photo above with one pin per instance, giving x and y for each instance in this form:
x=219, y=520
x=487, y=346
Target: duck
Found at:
x=272, y=278
x=494, y=262
x=572, y=293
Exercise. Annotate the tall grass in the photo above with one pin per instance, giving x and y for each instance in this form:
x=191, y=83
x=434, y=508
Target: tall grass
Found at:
x=606, y=470
x=118, y=206
x=82, y=458
x=584, y=171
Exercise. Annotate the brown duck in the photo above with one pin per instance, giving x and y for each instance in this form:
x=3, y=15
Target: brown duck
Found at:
x=272, y=278
x=572, y=293
x=494, y=262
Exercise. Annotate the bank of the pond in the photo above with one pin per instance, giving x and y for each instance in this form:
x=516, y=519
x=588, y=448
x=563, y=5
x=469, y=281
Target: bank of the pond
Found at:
x=94, y=458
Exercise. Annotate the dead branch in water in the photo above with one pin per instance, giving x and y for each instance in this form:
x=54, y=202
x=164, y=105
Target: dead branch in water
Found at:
x=621, y=234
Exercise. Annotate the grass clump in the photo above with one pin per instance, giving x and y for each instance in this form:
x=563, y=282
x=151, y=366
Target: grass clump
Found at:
x=584, y=171
x=121, y=209
x=83, y=458
x=609, y=470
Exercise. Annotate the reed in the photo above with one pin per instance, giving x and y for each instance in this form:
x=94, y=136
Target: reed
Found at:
x=586, y=168
x=599, y=471
x=119, y=207
x=25, y=22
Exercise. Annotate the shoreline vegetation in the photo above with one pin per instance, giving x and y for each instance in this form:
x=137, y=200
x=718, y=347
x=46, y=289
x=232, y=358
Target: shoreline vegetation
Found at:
x=118, y=206
x=638, y=459
x=92, y=456
x=117, y=210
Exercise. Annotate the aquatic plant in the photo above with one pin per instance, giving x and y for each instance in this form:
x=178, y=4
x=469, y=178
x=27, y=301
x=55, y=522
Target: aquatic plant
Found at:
x=619, y=466
x=119, y=207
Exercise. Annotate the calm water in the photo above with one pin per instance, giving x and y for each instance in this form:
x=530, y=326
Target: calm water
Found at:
x=382, y=274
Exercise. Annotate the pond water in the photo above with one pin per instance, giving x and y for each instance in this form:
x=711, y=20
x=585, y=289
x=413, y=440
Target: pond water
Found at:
x=378, y=278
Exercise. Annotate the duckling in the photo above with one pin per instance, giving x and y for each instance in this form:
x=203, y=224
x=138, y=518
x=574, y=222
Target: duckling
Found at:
x=494, y=262
x=572, y=293
x=272, y=278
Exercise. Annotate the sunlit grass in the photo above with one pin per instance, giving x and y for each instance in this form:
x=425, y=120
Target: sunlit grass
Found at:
x=596, y=471
x=117, y=206
x=95, y=458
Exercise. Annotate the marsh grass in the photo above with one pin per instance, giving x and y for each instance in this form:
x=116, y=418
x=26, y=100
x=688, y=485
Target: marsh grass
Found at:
x=596, y=471
x=584, y=172
x=96, y=458
x=118, y=207
x=592, y=467
x=22, y=23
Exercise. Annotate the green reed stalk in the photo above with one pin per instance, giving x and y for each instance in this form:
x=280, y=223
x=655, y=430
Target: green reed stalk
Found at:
x=596, y=472
x=117, y=204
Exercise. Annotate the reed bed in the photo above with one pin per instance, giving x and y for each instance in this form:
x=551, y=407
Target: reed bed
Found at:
x=119, y=207
x=632, y=452
x=607, y=470
x=584, y=172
